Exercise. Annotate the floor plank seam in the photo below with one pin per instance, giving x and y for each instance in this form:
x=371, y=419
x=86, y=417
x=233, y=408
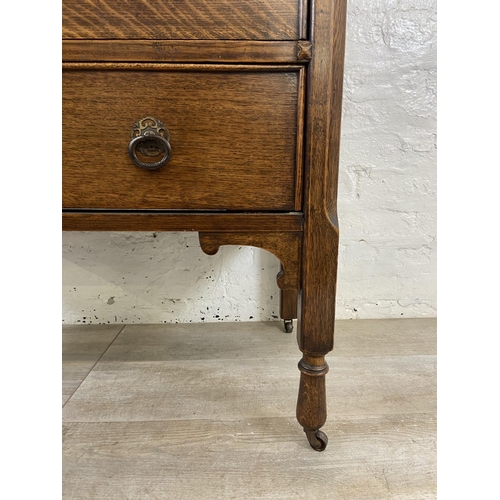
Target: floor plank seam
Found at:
x=292, y=359
x=331, y=417
x=93, y=366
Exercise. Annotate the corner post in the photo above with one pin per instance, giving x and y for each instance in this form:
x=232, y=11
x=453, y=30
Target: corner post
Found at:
x=321, y=235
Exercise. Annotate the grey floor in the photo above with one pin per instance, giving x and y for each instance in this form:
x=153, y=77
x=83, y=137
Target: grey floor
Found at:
x=207, y=411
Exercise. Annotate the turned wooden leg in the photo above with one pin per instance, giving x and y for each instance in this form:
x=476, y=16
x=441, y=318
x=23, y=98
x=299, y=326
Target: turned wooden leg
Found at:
x=315, y=335
x=311, y=403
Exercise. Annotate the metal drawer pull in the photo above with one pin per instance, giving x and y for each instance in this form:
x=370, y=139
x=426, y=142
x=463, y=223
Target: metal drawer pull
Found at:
x=151, y=138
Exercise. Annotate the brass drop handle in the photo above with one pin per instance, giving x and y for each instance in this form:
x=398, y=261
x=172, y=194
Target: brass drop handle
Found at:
x=151, y=138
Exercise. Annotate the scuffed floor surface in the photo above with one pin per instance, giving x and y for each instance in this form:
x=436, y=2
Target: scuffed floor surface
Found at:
x=207, y=411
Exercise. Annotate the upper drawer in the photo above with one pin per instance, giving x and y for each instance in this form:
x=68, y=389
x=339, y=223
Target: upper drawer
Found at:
x=184, y=20
x=235, y=136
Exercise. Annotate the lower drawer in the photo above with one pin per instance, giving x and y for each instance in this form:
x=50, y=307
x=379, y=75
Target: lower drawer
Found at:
x=235, y=136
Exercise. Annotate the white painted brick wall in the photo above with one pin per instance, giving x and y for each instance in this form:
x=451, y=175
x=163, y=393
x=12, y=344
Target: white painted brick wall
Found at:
x=387, y=205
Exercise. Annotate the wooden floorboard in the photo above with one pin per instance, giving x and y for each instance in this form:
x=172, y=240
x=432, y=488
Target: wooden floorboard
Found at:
x=168, y=390
x=207, y=411
x=82, y=346
x=357, y=338
x=385, y=337
x=369, y=457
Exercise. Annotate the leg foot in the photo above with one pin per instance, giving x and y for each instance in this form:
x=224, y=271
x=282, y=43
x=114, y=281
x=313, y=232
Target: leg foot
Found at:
x=289, y=300
x=317, y=439
x=288, y=323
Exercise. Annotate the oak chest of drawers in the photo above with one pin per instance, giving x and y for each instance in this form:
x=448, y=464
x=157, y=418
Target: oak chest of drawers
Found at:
x=221, y=118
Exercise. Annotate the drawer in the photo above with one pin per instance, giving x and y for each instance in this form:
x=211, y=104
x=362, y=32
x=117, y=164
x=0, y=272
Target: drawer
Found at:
x=193, y=20
x=235, y=136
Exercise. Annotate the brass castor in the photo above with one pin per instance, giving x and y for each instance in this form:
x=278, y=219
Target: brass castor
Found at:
x=317, y=439
x=288, y=325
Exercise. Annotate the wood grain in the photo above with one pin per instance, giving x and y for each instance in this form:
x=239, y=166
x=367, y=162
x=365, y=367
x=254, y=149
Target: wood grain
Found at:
x=195, y=51
x=386, y=337
x=247, y=340
x=321, y=232
x=82, y=347
x=181, y=221
x=181, y=68
x=299, y=161
x=201, y=341
x=146, y=390
x=234, y=137
x=383, y=457
x=196, y=19
x=289, y=300
x=321, y=235
x=304, y=18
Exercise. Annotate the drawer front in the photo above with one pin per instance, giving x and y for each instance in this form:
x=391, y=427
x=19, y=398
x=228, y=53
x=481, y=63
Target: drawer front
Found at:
x=235, y=136
x=195, y=20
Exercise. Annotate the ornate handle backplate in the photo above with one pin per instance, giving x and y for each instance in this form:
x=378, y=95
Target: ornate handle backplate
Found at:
x=151, y=138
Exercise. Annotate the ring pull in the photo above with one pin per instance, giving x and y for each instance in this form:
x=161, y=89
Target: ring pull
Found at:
x=151, y=138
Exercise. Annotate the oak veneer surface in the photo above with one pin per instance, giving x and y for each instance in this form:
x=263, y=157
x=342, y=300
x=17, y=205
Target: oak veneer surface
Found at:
x=182, y=221
x=199, y=51
x=233, y=137
x=196, y=19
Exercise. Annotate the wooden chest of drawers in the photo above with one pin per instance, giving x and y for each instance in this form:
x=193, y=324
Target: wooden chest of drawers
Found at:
x=221, y=118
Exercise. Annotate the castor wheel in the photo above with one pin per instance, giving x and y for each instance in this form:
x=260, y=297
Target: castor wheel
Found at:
x=317, y=439
x=288, y=325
